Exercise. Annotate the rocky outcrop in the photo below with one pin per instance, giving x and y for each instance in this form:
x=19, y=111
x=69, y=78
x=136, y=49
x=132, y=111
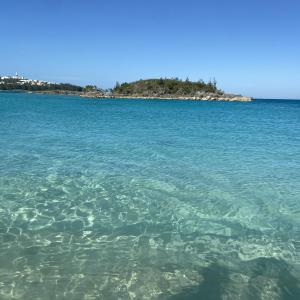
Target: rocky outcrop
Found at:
x=199, y=97
x=173, y=88
x=204, y=97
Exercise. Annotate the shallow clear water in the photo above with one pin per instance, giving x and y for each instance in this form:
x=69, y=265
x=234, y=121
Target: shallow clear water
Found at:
x=135, y=199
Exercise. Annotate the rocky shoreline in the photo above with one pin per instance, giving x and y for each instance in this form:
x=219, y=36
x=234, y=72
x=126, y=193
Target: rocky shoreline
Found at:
x=202, y=97
x=206, y=97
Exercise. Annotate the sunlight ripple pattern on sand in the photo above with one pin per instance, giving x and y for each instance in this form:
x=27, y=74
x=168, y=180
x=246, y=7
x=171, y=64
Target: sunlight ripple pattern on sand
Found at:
x=112, y=199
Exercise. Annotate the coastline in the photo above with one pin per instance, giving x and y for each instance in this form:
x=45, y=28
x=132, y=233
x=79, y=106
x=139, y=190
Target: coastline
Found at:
x=148, y=89
x=208, y=98
x=99, y=95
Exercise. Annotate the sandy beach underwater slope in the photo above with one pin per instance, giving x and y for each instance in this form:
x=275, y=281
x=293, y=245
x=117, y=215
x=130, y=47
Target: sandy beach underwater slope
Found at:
x=148, y=199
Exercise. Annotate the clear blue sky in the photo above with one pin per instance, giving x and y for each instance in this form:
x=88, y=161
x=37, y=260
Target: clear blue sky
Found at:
x=250, y=46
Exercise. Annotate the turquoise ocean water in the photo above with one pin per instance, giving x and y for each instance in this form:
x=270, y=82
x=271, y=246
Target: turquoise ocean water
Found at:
x=135, y=199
